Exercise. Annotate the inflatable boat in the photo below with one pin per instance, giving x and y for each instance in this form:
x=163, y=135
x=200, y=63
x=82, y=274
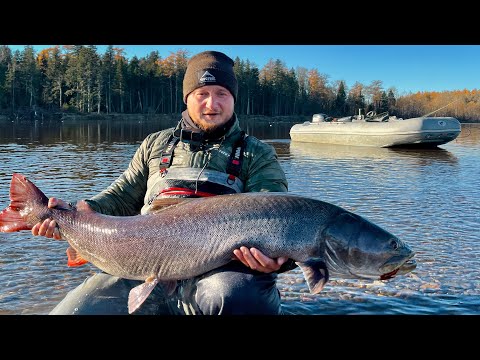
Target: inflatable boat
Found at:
x=377, y=130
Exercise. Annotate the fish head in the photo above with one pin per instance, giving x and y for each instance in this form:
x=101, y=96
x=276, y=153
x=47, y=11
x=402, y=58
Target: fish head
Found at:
x=358, y=248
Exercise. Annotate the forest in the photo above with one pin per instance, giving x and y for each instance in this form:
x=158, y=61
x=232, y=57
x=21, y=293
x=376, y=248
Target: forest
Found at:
x=78, y=79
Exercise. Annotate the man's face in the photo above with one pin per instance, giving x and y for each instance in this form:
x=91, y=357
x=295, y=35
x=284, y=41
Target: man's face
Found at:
x=210, y=106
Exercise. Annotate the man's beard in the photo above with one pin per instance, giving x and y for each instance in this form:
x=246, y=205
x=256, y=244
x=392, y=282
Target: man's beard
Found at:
x=211, y=131
x=207, y=127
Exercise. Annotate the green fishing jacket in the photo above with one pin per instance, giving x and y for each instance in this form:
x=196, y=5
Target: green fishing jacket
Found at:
x=129, y=194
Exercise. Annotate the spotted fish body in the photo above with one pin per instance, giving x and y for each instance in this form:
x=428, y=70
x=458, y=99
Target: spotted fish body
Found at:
x=190, y=238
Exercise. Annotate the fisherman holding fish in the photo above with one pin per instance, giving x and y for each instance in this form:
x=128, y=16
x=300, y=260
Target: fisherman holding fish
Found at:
x=206, y=154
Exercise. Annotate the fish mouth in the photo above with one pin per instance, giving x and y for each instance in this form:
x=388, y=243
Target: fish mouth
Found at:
x=405, y=267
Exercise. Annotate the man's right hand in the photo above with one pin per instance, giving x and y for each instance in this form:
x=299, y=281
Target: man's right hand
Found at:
x=48, y=227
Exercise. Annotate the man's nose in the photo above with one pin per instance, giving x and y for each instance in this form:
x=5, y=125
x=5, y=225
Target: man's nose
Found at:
x=212, y=101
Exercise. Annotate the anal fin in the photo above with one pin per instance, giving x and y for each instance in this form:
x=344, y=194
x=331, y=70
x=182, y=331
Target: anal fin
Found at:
x=139, y=293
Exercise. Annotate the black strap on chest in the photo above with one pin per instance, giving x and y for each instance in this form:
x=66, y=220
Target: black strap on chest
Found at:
x=234, y=162
x=236, y=157
x=167, y=152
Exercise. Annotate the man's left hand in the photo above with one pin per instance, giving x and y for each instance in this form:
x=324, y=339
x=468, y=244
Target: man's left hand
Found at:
x=256, y=260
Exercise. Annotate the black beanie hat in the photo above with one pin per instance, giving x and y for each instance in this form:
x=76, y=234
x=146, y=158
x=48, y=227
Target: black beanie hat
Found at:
x=209, y=68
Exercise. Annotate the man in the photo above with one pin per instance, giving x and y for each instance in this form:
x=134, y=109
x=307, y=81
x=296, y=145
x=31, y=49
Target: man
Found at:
x=205, y=154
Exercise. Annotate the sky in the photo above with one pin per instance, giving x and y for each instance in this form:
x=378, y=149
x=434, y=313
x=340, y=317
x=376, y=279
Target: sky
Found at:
x=407, y=68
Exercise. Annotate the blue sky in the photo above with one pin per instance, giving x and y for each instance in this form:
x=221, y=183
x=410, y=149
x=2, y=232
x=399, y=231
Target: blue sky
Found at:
x=408, y=68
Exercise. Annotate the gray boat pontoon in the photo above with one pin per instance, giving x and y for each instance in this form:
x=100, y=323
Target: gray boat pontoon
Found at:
x=379, y=130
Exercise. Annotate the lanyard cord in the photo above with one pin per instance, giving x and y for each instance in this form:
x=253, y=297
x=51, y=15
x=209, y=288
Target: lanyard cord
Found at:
x=208, y=161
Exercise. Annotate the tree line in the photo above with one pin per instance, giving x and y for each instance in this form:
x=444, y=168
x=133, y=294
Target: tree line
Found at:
x=76, y=78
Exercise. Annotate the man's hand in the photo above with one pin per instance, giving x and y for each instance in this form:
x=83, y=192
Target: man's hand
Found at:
x=256, y=260
x=48, y=227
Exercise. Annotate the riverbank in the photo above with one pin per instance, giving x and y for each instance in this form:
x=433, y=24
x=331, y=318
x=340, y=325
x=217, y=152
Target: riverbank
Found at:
x=175, y=117
x=163, y=118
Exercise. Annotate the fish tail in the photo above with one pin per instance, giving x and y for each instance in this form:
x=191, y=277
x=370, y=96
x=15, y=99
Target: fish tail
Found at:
x=28, y=204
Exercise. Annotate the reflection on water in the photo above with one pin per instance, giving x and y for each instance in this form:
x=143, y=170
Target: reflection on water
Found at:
x=470, y=135
x=339, y=152
x=113, y=131
x=429, y=198
x=79, y=131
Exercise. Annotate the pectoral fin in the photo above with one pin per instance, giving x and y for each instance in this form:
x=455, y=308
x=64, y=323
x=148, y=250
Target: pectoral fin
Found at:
x=316, y=274
x=139, y=293
x=74, y=258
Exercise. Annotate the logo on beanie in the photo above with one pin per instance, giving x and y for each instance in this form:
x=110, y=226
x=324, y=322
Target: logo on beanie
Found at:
x=207, y=78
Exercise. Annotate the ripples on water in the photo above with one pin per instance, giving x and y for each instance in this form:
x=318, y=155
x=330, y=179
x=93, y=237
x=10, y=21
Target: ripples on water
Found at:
x=429, y=198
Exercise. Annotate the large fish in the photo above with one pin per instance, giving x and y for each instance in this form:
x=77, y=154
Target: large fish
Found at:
x=187, y=239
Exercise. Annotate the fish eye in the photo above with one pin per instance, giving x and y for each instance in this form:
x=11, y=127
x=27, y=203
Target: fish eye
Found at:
x=394, y=244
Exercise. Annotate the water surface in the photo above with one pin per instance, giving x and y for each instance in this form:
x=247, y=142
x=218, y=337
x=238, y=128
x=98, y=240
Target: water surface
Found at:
x=428, y=198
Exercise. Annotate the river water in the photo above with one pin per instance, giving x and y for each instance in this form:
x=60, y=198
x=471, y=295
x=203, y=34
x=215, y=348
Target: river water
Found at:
x=428, y=198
